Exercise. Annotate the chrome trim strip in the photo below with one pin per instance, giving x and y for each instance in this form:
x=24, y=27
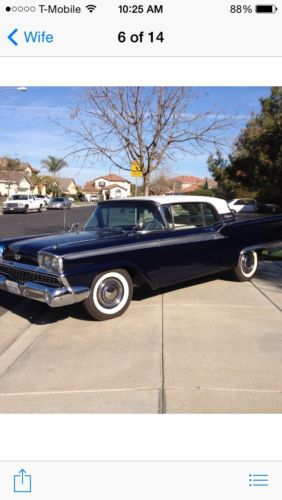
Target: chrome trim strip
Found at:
x=193, y=238
x=207, y=235
x=110, y=250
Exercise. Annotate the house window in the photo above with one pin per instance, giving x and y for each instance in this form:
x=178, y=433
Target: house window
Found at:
x=102, y=184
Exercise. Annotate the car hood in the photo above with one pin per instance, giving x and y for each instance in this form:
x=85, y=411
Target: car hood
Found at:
x=64, y=243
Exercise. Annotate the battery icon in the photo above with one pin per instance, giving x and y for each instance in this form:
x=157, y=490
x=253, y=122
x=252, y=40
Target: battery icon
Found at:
x=266, y=9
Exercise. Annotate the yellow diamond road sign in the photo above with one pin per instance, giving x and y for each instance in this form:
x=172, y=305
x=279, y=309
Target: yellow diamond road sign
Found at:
x=136, y=169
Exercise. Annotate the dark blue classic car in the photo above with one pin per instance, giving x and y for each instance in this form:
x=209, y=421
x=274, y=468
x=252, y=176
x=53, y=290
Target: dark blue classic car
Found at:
x=159, y=241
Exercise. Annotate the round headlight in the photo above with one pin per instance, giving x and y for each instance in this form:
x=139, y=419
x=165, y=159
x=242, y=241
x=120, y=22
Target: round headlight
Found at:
x=47, y=261
x=55, y=264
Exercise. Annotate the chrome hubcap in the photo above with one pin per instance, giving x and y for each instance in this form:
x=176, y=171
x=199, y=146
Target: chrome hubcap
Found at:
x=248, y=261
x=110, y=293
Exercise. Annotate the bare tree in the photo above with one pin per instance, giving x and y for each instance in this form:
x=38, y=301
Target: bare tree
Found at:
x=147, y=125
x=161, y=180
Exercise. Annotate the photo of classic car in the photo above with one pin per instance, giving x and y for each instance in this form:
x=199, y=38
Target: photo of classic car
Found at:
x=158, y=241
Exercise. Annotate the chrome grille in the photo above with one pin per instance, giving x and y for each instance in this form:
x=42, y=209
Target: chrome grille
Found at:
x=22, y=276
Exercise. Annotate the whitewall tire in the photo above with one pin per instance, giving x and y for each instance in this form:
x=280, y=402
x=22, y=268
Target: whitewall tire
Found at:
x=247, y=266
x=111, y=294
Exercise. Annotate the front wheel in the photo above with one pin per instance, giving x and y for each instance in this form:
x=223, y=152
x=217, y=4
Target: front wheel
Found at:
x=110, y=296
x=247, y=266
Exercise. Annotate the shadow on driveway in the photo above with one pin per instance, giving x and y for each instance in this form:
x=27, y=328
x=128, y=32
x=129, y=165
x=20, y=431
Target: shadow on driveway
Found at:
x=39, y=314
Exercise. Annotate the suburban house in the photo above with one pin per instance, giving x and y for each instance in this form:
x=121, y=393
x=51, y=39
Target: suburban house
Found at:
x=21, y=178
x=189, y=183
x=67, y=186
x=107, y=187
x=14, y=183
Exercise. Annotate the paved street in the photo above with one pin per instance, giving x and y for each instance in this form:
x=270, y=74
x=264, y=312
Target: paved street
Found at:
x=48, y=221
x=213, y=345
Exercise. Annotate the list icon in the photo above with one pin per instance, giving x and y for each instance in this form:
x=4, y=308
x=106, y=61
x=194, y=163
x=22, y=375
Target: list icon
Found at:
x=258, y=480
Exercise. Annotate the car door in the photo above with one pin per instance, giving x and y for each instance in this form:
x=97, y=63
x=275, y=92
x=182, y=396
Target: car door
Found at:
x=193, y=245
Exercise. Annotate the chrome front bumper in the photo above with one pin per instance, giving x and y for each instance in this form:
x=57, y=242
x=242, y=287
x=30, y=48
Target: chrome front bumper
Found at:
x=53, y=297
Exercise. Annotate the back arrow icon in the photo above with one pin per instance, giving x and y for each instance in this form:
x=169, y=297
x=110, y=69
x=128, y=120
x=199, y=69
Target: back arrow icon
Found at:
x=10, y=37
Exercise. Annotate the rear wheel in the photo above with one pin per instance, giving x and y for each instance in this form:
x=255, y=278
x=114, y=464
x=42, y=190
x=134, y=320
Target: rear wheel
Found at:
x=110, y=296
x=247, y=266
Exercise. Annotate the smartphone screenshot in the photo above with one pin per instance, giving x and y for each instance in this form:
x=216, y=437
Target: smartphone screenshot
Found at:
x=140, y=250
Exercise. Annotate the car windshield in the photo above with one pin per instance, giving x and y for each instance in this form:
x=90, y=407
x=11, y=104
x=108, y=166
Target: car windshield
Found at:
x=58, y=199
x=19, y=197
x=125, y=216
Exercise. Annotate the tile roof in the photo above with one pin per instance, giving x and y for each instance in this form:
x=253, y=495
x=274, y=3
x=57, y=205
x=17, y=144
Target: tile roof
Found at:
x=64, y=182
x=187, y=178
x=112, y=178
x=11, y=176
x=90, y=186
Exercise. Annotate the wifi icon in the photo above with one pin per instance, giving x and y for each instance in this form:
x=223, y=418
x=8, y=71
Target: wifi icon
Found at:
x=91, y=8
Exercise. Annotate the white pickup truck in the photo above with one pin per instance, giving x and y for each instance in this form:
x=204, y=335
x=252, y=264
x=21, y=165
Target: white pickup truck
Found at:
x=22, y=203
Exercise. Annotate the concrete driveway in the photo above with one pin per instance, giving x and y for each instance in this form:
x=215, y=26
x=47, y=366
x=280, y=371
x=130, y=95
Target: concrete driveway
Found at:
x=211, y=346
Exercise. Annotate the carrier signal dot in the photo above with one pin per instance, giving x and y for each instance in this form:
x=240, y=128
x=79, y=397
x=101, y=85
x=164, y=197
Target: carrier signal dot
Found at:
x=91, y=8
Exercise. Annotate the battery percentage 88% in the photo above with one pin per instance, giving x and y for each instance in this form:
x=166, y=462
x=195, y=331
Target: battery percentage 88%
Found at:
x=241, y=9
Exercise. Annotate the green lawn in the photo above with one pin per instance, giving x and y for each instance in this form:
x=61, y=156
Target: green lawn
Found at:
x=277, y=255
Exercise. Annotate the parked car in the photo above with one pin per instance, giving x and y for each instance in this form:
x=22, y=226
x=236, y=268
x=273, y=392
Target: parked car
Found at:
x=43, y=198
x=94, y=198
x=158, y=241
x=22, y=203
x=249, y=205
x=59, y=203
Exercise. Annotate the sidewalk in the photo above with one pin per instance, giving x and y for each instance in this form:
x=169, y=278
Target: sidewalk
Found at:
x=212, y=346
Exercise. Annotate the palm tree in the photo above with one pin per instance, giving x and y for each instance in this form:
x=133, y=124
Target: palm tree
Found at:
x=53, y=164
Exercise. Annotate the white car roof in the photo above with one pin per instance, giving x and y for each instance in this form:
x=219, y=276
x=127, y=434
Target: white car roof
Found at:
x=220, y=205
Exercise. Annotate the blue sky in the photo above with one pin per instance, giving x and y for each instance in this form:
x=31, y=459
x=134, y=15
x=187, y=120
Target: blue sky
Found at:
x=29, y=129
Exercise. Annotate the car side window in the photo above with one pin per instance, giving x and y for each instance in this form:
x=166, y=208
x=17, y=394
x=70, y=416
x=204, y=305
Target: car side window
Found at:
x=186, y=215
x=149, y=219
x=210, y=216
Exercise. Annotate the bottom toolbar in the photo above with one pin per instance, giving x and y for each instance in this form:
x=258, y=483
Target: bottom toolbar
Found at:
x=140, y=480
